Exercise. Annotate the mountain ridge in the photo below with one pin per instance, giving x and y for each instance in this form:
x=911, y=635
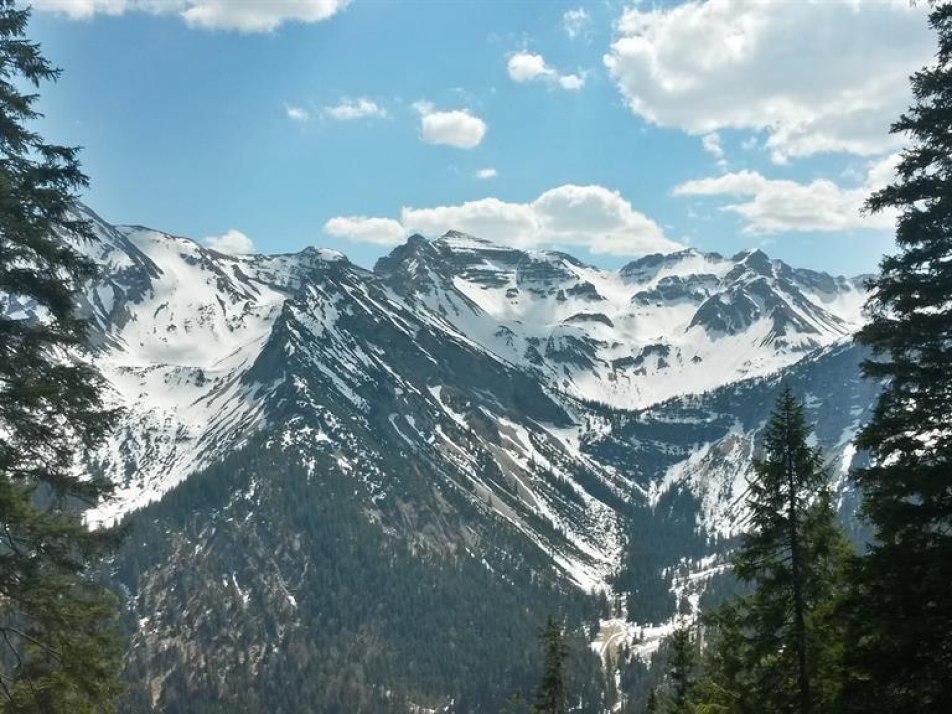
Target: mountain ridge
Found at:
x=503, y=421
x=170, y=309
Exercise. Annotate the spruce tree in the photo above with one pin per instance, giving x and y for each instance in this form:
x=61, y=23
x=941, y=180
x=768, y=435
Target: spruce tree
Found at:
x=902, y=651
x=58, y=650
x=724, y=686
x=551, y=694
x=682, y=672
x=778, y=640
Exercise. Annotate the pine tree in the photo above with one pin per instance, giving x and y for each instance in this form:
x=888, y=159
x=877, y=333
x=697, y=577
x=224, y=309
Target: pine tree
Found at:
x=777, y=644
x=58, y=650
x=682, y=672
x=551, y=694
x=724, y=687
x=902, y=614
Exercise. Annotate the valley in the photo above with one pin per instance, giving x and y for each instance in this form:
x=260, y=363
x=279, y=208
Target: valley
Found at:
x=525, y=421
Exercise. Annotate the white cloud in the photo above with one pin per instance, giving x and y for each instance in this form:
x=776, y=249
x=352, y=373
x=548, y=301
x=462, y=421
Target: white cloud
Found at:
x=526, y=67
x=487, y=173
x=457, y=128
x=576, y=22
x=712, y=145
x=530, y=67
x=239, y=15
x=591, y=216
x=360, y=229
x=774, y=206
x=815, y=76
x=297, y=113
x=233, y=242
x=510, y=223
x=83, y=9
x=361, y=108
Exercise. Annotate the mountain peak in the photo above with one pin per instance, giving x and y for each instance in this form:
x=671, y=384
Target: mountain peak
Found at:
x=458, y=240
x=326, y=254
x=756, y=260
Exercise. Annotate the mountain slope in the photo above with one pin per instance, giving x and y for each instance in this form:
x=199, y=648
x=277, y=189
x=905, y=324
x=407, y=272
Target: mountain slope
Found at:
x=663, y=325
x=370, y=487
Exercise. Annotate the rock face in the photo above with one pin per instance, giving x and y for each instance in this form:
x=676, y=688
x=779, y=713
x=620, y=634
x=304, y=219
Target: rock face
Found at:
x=578, y=328
x=356, y=490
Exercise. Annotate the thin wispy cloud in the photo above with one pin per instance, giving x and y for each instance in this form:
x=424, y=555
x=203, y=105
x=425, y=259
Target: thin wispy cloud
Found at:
x=711, y=144
x=576, y=22
x=530, y=67
x=350, y=109
x=299, y=114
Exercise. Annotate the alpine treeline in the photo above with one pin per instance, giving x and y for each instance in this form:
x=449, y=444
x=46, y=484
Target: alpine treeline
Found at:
x=821, y=628
x=778, y=647
x=817, y=626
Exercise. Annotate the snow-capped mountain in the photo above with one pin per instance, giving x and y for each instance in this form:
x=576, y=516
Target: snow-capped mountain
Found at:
x=181, y=328
x=301, y=435
x=176, y=328
x=661, y=326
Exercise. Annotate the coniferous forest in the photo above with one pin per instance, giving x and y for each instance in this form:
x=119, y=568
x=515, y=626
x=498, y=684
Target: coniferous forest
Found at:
x=822, y=627
x=268, y=582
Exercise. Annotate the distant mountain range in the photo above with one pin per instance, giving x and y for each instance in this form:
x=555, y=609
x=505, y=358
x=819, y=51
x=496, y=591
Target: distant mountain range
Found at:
x=355, y=490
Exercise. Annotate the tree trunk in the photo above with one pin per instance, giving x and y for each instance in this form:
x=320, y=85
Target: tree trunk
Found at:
x=800, y=629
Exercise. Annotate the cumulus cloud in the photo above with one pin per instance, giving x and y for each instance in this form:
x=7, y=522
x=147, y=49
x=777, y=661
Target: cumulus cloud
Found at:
x=486, y=173
x=360, y=229
x=297, y=113
x=774, y=206
x=815, y=76
x=239, y=15
x=530, y=67
x=361, y=108
x=233, y=242
x=594, y=217
x=457, y=128
x=576, y=22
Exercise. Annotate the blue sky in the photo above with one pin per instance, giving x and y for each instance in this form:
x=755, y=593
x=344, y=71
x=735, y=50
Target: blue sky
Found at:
x=610, y=129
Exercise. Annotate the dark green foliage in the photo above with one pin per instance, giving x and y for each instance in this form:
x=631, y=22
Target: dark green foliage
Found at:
x=645, y=444
x=778, y=648
x=58, y=649
x=658, y=537
x=667, y=685
x=637, y=681
x=551, y=695
x=725, y=687
x=378, y=620
x=682, y=673
x=902, y=614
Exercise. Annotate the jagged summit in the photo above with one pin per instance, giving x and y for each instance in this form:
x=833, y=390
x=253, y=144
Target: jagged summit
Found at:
x=584, y=330
x=470, y=420
x=458, y=239
x=199, y=346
